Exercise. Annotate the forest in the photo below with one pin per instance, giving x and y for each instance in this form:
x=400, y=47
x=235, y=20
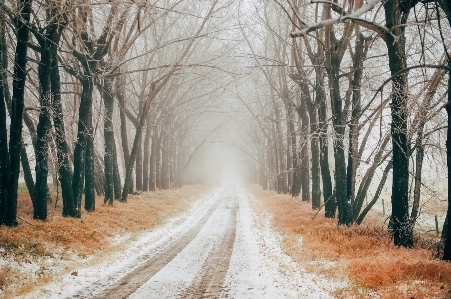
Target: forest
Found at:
x=343, y=104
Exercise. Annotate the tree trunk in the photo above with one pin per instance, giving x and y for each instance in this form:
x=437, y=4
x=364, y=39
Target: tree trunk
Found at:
x=28, y=176
x=354, y=126
x=120, y=94
x=145, y=186
x=152, y=171
x=43, y=130
x=3, y=128
x=15, y=138
x=344, y=203
x=116, y=175
x=158, y=162
x=84, y=119
x=90, y=197
x=330, y=206
x=304, y=162
x=447, y=250
x=109, y=140
x=402, y=229
x=64, y=165
x=139, y=167
x=293, y=147
x=164, y=162
x=99, y=175
x=446, y=6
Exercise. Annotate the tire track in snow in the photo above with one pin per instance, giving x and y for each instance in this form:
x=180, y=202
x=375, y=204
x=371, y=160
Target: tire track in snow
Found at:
x=211, y=278
x=131, y=282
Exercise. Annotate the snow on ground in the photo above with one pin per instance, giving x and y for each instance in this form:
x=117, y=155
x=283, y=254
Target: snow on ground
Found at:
x=258, y=267
x=95, y=278
x=178, y=275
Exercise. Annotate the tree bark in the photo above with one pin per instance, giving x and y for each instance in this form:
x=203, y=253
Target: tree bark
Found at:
x=446, y=6
x=145, y=186
x=63, y=152
x=43, y=129
x=354, y=126
x=152, y=171
x=109, y=140
x=447, y=250
x=116, y=175
x=402, y=229
x=4, y=88
x=15, y=138
x=84, y=118
x=120, y=94
x=139, y=167
x=330, y=207
x=90, y=197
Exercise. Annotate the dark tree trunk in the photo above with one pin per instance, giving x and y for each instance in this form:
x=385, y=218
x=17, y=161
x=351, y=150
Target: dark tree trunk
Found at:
x=139, y=167
x=109, y=141
x=402, y=229
x=344, y=205
x=354, y=127
x=4, y=90
x=43, y=130
x=64, y=165
x=84, y=119
x=446, y=6
x=120, y=94
x=447, y=250
x=90, y=197
x=15, y=138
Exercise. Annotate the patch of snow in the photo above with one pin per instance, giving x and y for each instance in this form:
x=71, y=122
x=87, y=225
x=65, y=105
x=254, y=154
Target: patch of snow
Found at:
x=117, y=239
x=97, y=277
x=178, y=275
x=259, y=269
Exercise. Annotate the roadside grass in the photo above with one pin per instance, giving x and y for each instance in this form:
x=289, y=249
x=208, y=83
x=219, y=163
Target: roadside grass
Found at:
x=364, y=254
x=33, y=253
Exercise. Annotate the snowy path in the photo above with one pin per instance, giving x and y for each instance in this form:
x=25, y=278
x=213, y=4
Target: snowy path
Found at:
x=221, y=250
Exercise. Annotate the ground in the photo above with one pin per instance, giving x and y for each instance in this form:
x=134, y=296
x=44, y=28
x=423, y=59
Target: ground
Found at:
x=214, y=243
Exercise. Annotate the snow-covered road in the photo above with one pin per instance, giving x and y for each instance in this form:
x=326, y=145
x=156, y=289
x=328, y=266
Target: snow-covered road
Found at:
x=221, y=250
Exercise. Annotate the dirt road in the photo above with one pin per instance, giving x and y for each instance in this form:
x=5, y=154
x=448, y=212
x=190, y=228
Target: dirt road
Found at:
x=221, y=251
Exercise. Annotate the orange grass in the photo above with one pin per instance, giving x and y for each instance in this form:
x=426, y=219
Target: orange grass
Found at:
x=365, y=254
x=69, y=237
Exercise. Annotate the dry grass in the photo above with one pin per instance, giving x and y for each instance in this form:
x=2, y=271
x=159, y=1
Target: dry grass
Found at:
x=70, y=239
x=364, y=254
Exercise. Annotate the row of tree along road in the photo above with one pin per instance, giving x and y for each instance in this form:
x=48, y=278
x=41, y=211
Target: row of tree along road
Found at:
x=334, y=98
